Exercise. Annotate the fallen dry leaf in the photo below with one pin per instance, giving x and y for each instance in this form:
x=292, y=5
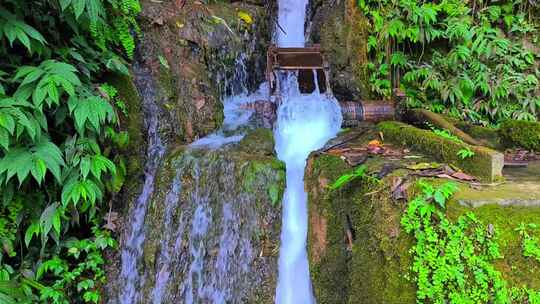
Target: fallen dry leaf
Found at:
x=462, y=176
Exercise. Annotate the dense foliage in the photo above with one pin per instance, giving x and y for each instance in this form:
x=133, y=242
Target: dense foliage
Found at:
x=58, y=143
x=476, y=60
x=454, y=261
x=525, y=134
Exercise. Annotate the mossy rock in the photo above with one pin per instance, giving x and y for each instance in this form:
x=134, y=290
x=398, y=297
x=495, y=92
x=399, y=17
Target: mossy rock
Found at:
x=522, y=134
x=260, y=141
x=486, y=163
x=341, y=30
x=516, y=269
x=233, y=196
x=372, y=271
x=378, y=268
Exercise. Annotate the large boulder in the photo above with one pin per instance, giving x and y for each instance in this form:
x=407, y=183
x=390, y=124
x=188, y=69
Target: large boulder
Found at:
x=213, y=225
x=357, y=247
x=195, y=54
x=342, y=31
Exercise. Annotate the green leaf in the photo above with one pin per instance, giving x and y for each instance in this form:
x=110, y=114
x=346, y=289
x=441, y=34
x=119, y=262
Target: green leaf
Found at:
x=4, y=139
x=439, y=198
x=34, y=75
x=7, y=122
x=85, y=167
x=38, y=170
x=51, y=155
x=78, y=7
x=64, y=4
x=32, y=230
x=17, y=161
x=53, y=92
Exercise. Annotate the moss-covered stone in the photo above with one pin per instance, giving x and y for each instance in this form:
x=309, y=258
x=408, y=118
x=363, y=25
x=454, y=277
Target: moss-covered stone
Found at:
x=372, y=270
x=341, y=30
x=375, y=270
x=486, y=163
x=218, y=209
x=197, y=53
x=423, y=117
x=260, y=140
x=522, y=134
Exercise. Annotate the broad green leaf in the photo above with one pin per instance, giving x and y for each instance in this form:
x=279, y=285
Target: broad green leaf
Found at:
x=78, y=7
x=32, y=230
x=17, y=161
x=85, y=167
x=4, y=139
x=38, y=170
x=53, y=92
x=47, y=218
x=34, y=75
x=7, y=122
x=51, y=155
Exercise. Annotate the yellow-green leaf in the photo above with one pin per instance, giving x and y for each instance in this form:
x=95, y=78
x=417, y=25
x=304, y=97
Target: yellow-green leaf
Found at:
x=244, y=16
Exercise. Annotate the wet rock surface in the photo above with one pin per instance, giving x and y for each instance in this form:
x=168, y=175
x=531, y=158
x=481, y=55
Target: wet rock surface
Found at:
x=198, y=53
x=340, y=29
x=213, y=224
x=521, y=188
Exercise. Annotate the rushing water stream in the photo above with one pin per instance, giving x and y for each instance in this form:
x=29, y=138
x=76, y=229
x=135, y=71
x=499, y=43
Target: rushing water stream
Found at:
x=190, y=236
x=134, y=239
x=305, y=123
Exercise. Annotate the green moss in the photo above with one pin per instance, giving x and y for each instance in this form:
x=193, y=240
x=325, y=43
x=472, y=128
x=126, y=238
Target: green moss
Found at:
x=255, y=172
x=376, y=269
x=258, y=141
x=522, y=134
x=342, y=33
x=166, y=83
x=486, y=164
x=516, y=269
x=372, y=272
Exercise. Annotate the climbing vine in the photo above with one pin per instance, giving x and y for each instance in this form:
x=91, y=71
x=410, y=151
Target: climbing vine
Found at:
x=453, y=261
x=58, y=144
x=475, y=60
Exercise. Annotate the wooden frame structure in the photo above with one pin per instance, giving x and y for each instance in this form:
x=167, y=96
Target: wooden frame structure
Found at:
x=305, y=58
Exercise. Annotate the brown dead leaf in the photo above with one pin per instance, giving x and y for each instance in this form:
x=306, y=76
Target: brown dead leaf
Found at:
x=158, y=21
x=462, y=176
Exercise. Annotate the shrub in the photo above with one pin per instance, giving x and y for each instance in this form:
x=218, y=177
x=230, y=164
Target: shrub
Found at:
x=523, y=134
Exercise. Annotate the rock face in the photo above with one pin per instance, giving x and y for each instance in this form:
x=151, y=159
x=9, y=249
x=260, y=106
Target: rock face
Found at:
x=340, y=28
x=358, y=250
x=357, y=253
x=196, y=226
x=197, y=53
x=213, y=225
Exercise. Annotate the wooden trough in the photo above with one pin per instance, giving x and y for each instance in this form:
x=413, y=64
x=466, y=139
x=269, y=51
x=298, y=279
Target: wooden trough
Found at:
x=305, y=60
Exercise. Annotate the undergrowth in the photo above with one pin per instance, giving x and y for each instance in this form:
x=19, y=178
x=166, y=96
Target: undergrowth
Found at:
x=474, y=60
x=60, y=144
x=453, y=261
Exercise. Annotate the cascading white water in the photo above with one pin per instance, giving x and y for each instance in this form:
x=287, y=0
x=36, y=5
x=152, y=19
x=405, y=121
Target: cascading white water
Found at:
x=135, y=236
x=305, y=123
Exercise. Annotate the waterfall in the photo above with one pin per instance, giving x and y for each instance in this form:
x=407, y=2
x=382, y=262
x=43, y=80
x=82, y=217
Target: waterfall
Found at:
x=134, y=237
x=305, y=123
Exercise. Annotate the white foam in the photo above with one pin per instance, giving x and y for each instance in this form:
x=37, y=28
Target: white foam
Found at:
x=304, y=124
